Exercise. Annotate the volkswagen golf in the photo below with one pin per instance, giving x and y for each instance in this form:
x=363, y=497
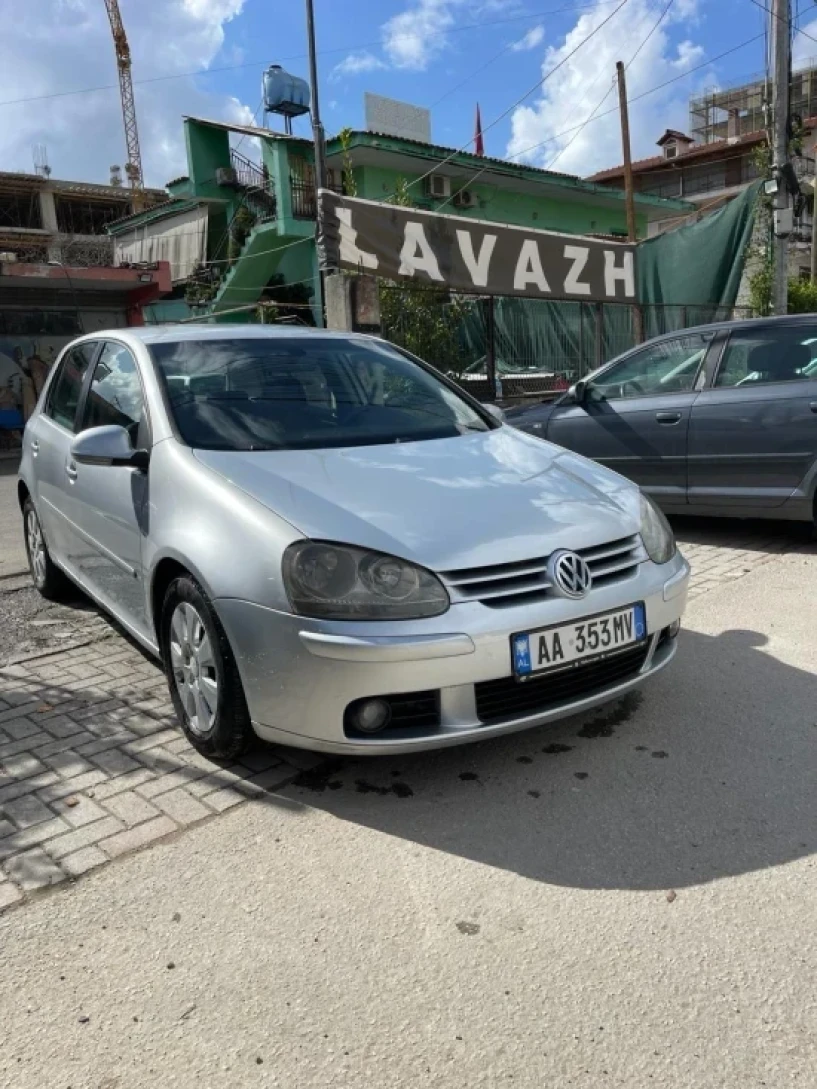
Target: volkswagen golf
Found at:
x=330, y=545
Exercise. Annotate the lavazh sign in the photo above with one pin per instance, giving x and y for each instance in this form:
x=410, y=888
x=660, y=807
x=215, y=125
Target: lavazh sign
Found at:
x=398, y=243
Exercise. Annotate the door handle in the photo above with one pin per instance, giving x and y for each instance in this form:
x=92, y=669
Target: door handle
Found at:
x=71, y=470
x=668, y=417
x=35, y=447
x=813, y=406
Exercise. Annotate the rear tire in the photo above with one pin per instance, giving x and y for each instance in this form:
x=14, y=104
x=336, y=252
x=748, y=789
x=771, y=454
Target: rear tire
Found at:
x=48, y=580
x=204, y=682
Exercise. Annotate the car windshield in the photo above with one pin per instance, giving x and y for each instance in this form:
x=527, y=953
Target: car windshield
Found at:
x=304, y=393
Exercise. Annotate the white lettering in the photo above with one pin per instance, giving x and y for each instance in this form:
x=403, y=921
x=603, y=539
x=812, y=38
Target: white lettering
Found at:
x=578, y=255
x=624, y=272
x=349, y=252
x=529, y=268
x=416, y=254
x=477, y=266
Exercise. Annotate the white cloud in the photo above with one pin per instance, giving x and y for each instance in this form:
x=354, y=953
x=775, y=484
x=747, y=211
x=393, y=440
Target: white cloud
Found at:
x=355, y=63
x=535, y=36
x=60, y=45
x=413, y=38
x=804, y=50
x=574, y=92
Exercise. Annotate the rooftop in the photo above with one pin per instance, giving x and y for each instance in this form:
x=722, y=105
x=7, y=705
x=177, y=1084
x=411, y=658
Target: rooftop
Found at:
x=697, y=152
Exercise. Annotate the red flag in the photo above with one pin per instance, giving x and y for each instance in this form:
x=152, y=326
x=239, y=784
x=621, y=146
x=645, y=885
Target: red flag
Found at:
x=479, y=147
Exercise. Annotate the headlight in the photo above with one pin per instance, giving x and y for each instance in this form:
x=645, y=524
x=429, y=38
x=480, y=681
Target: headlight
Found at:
x=658, y=538
x=339, y=582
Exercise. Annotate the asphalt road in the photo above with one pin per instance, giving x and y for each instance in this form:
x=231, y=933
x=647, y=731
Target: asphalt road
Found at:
x=625, y=900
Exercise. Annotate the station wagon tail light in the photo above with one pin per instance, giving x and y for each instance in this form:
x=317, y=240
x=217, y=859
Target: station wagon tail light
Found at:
x=656, y=533
x=341, y=582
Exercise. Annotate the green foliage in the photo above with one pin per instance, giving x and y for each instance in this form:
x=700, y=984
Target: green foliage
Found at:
x=291, y=301
x=802, y=297
x=349, y=183
x=422, y=318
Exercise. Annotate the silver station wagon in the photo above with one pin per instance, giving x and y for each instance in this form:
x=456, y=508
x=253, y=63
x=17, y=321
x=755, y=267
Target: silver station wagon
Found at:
x=330, y=545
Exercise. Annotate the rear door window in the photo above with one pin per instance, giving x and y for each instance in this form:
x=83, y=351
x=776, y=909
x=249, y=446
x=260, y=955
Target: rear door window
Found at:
x=756, y=357
x=63, y=397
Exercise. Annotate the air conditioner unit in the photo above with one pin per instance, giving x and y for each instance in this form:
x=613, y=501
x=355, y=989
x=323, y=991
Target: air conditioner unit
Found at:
x=437, y=185
x=225, y=175
x=466, y=198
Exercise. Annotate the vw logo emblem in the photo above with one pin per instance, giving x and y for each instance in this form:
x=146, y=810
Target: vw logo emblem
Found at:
x=569, y=574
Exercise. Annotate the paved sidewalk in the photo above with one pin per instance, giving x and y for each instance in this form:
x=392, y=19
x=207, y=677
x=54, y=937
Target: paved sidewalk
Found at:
x=93, y=765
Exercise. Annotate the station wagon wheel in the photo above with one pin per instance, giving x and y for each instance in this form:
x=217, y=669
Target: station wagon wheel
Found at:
x=46, y=576
x=204, y=682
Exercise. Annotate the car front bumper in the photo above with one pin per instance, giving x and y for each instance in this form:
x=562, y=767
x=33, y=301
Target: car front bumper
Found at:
x=300, y=674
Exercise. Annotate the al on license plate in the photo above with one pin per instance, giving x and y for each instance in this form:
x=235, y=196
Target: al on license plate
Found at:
x=565, y=644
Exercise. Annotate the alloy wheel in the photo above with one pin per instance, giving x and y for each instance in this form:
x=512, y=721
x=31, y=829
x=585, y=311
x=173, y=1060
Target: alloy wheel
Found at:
x=194, y=667
x=36, y=548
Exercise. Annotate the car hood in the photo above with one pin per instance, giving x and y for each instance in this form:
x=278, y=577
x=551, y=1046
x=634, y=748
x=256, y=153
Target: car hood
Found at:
x=469, y=501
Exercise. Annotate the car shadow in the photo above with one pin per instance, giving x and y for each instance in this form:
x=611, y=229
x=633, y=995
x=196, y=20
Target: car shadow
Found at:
x=708, y=772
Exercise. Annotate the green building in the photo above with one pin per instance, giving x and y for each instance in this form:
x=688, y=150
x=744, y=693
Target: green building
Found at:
x=240, y=226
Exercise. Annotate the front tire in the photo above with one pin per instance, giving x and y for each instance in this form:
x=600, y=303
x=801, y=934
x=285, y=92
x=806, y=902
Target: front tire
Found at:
x=48, y=580
x=204, y=683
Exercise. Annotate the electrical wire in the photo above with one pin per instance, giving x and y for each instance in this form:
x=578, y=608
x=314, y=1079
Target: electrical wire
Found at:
x=609, y=90
x=302, y=56
x=789, y=23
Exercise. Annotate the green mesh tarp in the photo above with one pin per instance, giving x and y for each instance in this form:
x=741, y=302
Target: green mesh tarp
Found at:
x=699, y=264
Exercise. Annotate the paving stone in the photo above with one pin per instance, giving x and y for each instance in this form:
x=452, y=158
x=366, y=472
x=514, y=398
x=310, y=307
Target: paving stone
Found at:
x=26, y=744
x=19, y=728
x=137, y=837
x=62, y=744
x=114, y=761
x=34, y=870
x=19, y=710
x=67, y=764
x=129, y=781
x=23, y=838
x=27, y=811
x=27, y=786
x=61, y=726
x=21, y=766
x=6, y=828
x=9, y=894
x=83, y=811
x=82, y=861
x=260, y=758
x=130, y=808
x=61, y=846
x=62, y=787
x=224, y=799
x=182, y=807
x=144, y=744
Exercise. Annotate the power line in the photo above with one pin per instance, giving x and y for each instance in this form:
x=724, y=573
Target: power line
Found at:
x=300, y=56
x=608, y=92
x=789, y=23
x=644, y=94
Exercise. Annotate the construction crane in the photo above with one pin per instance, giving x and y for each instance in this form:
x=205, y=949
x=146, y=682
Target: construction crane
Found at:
x=133, y=167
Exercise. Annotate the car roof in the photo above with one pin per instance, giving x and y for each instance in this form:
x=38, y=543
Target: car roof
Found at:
x=739, y=323
x=196, y=331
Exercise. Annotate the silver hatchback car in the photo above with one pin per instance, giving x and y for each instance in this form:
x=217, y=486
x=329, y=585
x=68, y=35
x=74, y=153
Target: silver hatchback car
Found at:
x=329, y=545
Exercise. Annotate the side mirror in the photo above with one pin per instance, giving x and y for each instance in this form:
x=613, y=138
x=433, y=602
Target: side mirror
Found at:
x=578, y=392
x=109, y=445
x=496, y=412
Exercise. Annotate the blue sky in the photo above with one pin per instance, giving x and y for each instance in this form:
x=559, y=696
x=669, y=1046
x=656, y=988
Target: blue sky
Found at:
x=446, y=54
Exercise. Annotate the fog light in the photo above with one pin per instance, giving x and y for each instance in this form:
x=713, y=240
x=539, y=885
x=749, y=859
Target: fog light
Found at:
x=370, y=716
x=674, y=628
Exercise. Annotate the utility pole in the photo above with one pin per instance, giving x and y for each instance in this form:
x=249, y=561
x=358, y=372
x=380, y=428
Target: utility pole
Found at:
x=629, y=192
x=317, y=125
x=781, y=57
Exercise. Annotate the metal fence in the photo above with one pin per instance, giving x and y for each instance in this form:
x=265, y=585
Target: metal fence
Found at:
x=532, y=346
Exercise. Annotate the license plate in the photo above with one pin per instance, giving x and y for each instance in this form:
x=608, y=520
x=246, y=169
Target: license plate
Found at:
x=564, y=645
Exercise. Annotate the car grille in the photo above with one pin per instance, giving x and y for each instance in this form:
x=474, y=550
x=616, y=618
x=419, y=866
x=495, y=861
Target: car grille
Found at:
x=508, y=698
x=509, y=584
x=410, y=711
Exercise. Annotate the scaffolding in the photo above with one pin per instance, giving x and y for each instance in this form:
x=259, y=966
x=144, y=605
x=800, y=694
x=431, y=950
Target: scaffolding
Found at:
x=723, y=112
